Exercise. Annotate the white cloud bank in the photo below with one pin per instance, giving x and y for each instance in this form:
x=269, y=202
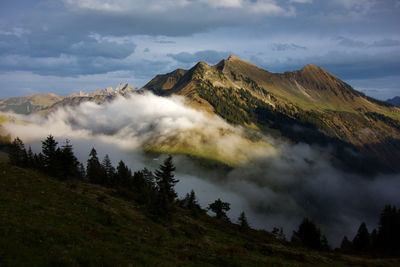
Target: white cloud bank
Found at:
x=266, y=7
x=276, y=185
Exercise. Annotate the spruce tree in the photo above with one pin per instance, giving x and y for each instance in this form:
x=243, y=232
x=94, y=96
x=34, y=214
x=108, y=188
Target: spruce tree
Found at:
x=309, y=235
x=242, y=220
x=346, y=245
x=190, y=202
x=50, y=155
x=30, y=158
x=109, y=171
x=165, y=180
x=95, y=172
x=17, y=153
x=165, y=187
x=361, y=241
x=69, y=164
x=123, y=175
x=389, y=230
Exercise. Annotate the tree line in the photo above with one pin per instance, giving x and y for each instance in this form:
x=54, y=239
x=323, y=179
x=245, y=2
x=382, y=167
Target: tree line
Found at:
x=155, y=190
x=385, y=239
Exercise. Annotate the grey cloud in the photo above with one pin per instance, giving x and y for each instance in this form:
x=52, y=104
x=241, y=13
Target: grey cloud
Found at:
x=387, y=42
x=72, y=66
x=45, y=44
x=345, y=65
x=210, y=56
x=165, y=42
x=285, y=47
x=348, y=42
x=105, y=49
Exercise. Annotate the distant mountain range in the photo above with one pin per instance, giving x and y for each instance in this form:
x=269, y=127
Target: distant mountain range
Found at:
x=310, y=105
x=395, y=101
x=44, y=103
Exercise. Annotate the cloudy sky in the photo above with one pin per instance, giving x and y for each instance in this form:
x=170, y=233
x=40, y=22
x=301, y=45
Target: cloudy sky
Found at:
x=63, y=46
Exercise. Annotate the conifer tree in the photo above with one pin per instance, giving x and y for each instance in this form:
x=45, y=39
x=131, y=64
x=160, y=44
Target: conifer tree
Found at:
x=17, y=153
x=190, y=202
x=346, y=245
x=220, y=208
x=109, y=171
x=165, y=180
x=165, y=187
x=149, y=178
x=94, y=171
x=374, y=240
x=50, y=155
x=309, y=235
x=69, y=164
x=81, y=170
x=361, y=241
x=123, y=175
x=278, y=233
x=30, y=158
x=242, y=220
x=389, y=230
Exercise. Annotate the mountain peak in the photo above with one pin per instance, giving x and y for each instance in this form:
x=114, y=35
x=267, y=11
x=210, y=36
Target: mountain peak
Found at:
x=232, y=57
x=310, y=67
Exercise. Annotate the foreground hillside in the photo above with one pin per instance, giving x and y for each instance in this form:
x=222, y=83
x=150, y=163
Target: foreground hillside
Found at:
x=48, y=222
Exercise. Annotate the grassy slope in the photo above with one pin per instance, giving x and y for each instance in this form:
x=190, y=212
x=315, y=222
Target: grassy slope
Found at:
x=48, y=222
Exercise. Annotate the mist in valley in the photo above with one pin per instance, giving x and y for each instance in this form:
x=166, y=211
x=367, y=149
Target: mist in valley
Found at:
x=276, y=184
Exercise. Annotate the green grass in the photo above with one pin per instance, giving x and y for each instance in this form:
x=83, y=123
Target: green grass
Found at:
x=45, y=222
x=242, y=153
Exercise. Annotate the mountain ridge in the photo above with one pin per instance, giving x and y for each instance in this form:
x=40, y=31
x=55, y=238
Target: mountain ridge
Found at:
x=313, y=98
x=308, y=105
x=395, y=101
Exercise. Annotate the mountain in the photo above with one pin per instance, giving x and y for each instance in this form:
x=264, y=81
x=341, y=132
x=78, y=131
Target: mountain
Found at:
x=395, y=101
x=309, y=105
x=44, y=103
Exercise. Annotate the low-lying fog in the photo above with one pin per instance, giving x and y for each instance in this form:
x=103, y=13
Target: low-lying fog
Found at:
x=275, y=185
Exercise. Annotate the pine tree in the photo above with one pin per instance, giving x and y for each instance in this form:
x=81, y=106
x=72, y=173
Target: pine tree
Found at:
x=309, y=235
x=38, y=162
x=30, y=158
x=389, y=230
x=346, y=245
x=17, y=153
x=220, y=208
x=190, y=202
x=165, y=180
x=374, y=240
x=242, y=220
x=123, y=175
x=81, y=170
x=50, y=155
x=165, y=188
x=109, y=171
x=278, y=233
x=95, y=172
x=361, y=241
x=149, y=179
x=69, y=164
